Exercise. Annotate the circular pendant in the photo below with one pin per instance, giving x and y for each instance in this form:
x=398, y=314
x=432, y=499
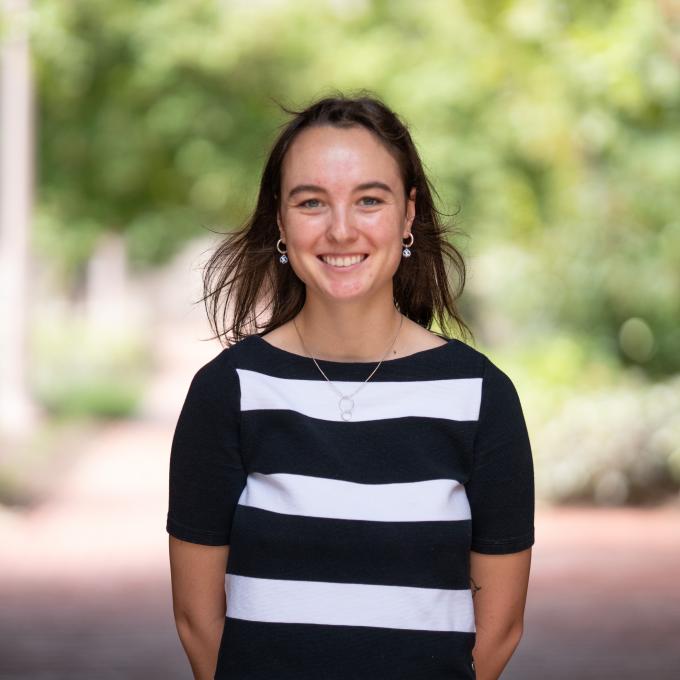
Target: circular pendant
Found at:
x=346, y=407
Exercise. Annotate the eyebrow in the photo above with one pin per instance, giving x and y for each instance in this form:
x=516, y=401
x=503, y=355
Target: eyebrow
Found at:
x=360, y=187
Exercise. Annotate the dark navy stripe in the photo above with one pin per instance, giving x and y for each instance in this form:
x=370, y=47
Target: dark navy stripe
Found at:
x=421, y=554
x=290, y=651
x=371, y=452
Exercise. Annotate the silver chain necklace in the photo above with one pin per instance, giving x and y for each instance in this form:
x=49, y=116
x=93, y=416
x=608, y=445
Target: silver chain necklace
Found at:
x=346, y=403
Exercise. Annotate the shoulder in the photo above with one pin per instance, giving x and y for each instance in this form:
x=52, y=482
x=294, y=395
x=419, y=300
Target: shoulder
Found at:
x=217, y=378
x=468, y=358
x=498, y=391
x=225, y=362
x=219, y=367
x=470, y=355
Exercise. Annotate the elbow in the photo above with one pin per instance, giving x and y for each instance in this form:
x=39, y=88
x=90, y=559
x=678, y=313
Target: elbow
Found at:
x=512, y=629
x=512, y=637
x=501, y=637
x=193, y=628
x=517, y=632
x=193, y=621
x=194, y=612
x=507, y=644
x=188, y=625
x=493, y=649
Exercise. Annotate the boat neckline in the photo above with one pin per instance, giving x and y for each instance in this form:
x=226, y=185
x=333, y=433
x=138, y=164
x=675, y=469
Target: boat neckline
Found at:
x=329, y=362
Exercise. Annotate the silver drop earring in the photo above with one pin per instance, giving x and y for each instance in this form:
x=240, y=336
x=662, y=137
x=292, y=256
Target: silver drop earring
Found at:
x=406, y=252
x=284, y=258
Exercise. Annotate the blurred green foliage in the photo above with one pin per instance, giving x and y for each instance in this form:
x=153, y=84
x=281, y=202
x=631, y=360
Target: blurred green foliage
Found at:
x=613, y=446
x=80, y=371
x=29, y=467
x=554, y=125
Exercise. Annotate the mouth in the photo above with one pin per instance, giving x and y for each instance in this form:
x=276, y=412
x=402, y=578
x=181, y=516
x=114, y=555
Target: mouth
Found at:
x=344, y=263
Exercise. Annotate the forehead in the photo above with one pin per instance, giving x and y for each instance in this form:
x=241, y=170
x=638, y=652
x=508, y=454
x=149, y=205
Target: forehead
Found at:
x=333, y=156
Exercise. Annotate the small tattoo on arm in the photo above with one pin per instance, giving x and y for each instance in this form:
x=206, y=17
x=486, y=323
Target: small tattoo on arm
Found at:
x=475, y=587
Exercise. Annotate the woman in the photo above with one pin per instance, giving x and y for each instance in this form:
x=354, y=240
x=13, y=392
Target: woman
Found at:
x=366, y=484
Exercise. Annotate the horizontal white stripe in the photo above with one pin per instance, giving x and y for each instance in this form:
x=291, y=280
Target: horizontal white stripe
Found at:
x=452, y=399
x=431, y=500
x=349, y=604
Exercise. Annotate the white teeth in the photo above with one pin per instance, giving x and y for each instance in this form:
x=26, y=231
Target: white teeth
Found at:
x=342, y=261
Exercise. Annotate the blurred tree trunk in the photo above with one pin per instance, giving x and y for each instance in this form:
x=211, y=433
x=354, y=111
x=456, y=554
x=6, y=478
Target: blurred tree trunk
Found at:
x=17, y=410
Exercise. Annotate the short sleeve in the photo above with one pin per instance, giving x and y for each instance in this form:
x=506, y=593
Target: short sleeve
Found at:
x=207, y=475
x=501, y=485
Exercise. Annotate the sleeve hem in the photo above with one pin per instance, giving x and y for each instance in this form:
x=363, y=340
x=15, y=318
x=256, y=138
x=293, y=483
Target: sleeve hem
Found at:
x=503, y=546
x=201, y=536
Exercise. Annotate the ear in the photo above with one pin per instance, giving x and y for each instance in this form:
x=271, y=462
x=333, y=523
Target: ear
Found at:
x=278, y=215
x=280, y=226
x=410, y=210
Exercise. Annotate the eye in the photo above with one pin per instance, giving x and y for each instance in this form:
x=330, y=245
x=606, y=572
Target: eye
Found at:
x=304, y=203
x=371, y=198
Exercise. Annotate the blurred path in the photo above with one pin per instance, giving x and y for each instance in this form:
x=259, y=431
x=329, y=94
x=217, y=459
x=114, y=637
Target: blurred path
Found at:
x=604, y=597
x=85, y=591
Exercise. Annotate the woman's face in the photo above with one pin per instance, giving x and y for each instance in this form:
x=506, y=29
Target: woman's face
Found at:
x=342, y=195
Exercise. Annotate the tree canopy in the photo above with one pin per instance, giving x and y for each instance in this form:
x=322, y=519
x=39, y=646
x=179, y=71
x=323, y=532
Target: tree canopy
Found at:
x=554, y=127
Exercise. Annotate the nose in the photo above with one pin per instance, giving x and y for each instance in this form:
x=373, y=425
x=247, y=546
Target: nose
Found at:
x=341, y=227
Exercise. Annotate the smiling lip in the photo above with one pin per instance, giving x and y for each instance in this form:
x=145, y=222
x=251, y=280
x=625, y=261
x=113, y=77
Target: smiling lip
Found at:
x=340, y=254
x=348, y=268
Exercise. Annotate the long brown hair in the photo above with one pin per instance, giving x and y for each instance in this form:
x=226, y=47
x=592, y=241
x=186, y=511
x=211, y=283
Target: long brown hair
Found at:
x=244, y=276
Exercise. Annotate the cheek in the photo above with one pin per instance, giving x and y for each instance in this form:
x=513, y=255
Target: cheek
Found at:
x=380, y=228
x=388, y=241
x=302, y=234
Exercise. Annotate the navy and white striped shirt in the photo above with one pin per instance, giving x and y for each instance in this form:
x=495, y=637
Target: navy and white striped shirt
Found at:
x=350, y=540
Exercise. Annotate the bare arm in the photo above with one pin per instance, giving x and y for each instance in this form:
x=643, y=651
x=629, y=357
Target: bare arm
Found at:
x=499, y=586
x=199, y=601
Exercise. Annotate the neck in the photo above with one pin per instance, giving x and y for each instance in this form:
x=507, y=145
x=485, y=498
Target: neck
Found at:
x=348, y=332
